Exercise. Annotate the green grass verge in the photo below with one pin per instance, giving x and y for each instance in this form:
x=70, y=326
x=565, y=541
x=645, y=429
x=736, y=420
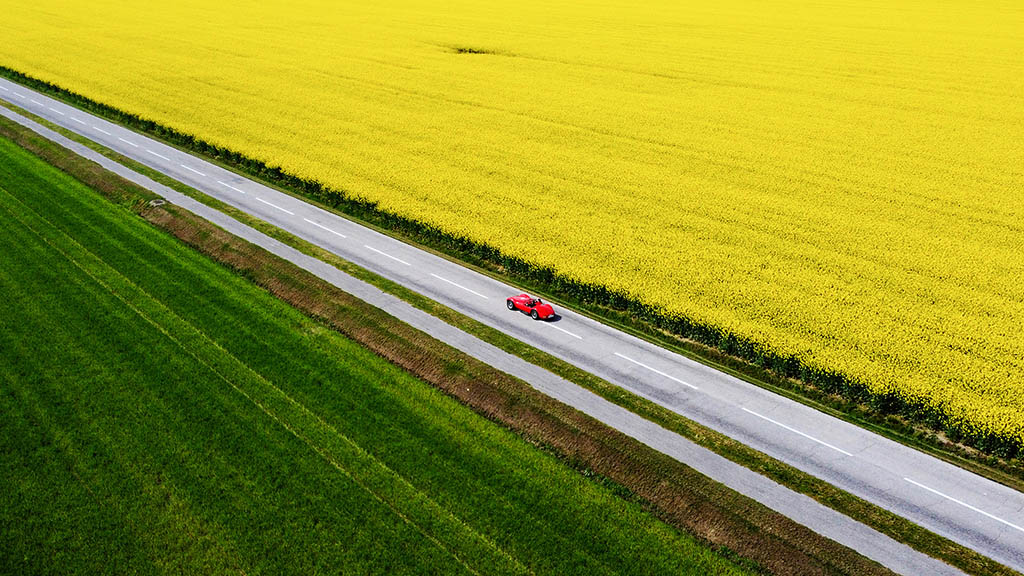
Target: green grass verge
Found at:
x=163, y=414
x=921, y=427
x=882, y=520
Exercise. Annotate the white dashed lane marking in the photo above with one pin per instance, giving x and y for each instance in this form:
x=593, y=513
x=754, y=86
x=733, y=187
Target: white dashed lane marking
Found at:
x=192, y=170
x=322, y=227
x=656, y=371
x=275, y=206
x=566, y=331
x=387, y=255
x=965, y=505
x=459, y=286
x=795, y=431
x=226, y=185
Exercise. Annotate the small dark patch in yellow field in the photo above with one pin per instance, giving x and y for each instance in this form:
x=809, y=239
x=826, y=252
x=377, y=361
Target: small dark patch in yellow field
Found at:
x=463, y=49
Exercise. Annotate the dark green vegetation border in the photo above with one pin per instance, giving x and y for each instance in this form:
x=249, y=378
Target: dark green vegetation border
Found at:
x=789, y=373
x=161, y=413
x=628, y=468
x=878, y=518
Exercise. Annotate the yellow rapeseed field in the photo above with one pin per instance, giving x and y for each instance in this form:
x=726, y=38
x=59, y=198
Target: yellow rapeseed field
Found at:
x=840, y=180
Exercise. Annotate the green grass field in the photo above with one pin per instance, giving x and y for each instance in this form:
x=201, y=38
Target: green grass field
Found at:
x=163, y=414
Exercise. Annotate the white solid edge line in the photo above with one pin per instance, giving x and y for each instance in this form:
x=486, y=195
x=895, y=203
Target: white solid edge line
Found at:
x=192, y=170
x=795, y=431
x=964, y=504
x=79, y=121
x=157, y=155
x=325, y=228
x=18, y=95
x=274, y=206
x=458, y=286
x=566, y=331
x=656, y=371
x=230, y=186
x=101, y=130
x=55, y=110
x=386, y=254
x=128, y=142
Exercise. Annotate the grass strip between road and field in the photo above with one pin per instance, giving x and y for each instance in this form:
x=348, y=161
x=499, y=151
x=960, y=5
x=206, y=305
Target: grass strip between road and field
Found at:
x=886, y=522
x=826, y=392
x=672, y=491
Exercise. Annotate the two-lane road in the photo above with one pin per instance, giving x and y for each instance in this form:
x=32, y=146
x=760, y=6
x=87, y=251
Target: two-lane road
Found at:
x=962, y=506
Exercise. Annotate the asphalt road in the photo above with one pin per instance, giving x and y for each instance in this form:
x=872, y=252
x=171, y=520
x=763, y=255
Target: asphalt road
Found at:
x=962, y=506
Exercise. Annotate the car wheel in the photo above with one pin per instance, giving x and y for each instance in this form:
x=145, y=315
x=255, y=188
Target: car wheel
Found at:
x=511, y=306
x=534, y=315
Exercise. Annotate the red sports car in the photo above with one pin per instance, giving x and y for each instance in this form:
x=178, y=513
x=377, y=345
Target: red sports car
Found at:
x=533, y=306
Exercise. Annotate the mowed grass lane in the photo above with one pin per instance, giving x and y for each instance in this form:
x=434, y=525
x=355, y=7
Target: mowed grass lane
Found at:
x=162, y=414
